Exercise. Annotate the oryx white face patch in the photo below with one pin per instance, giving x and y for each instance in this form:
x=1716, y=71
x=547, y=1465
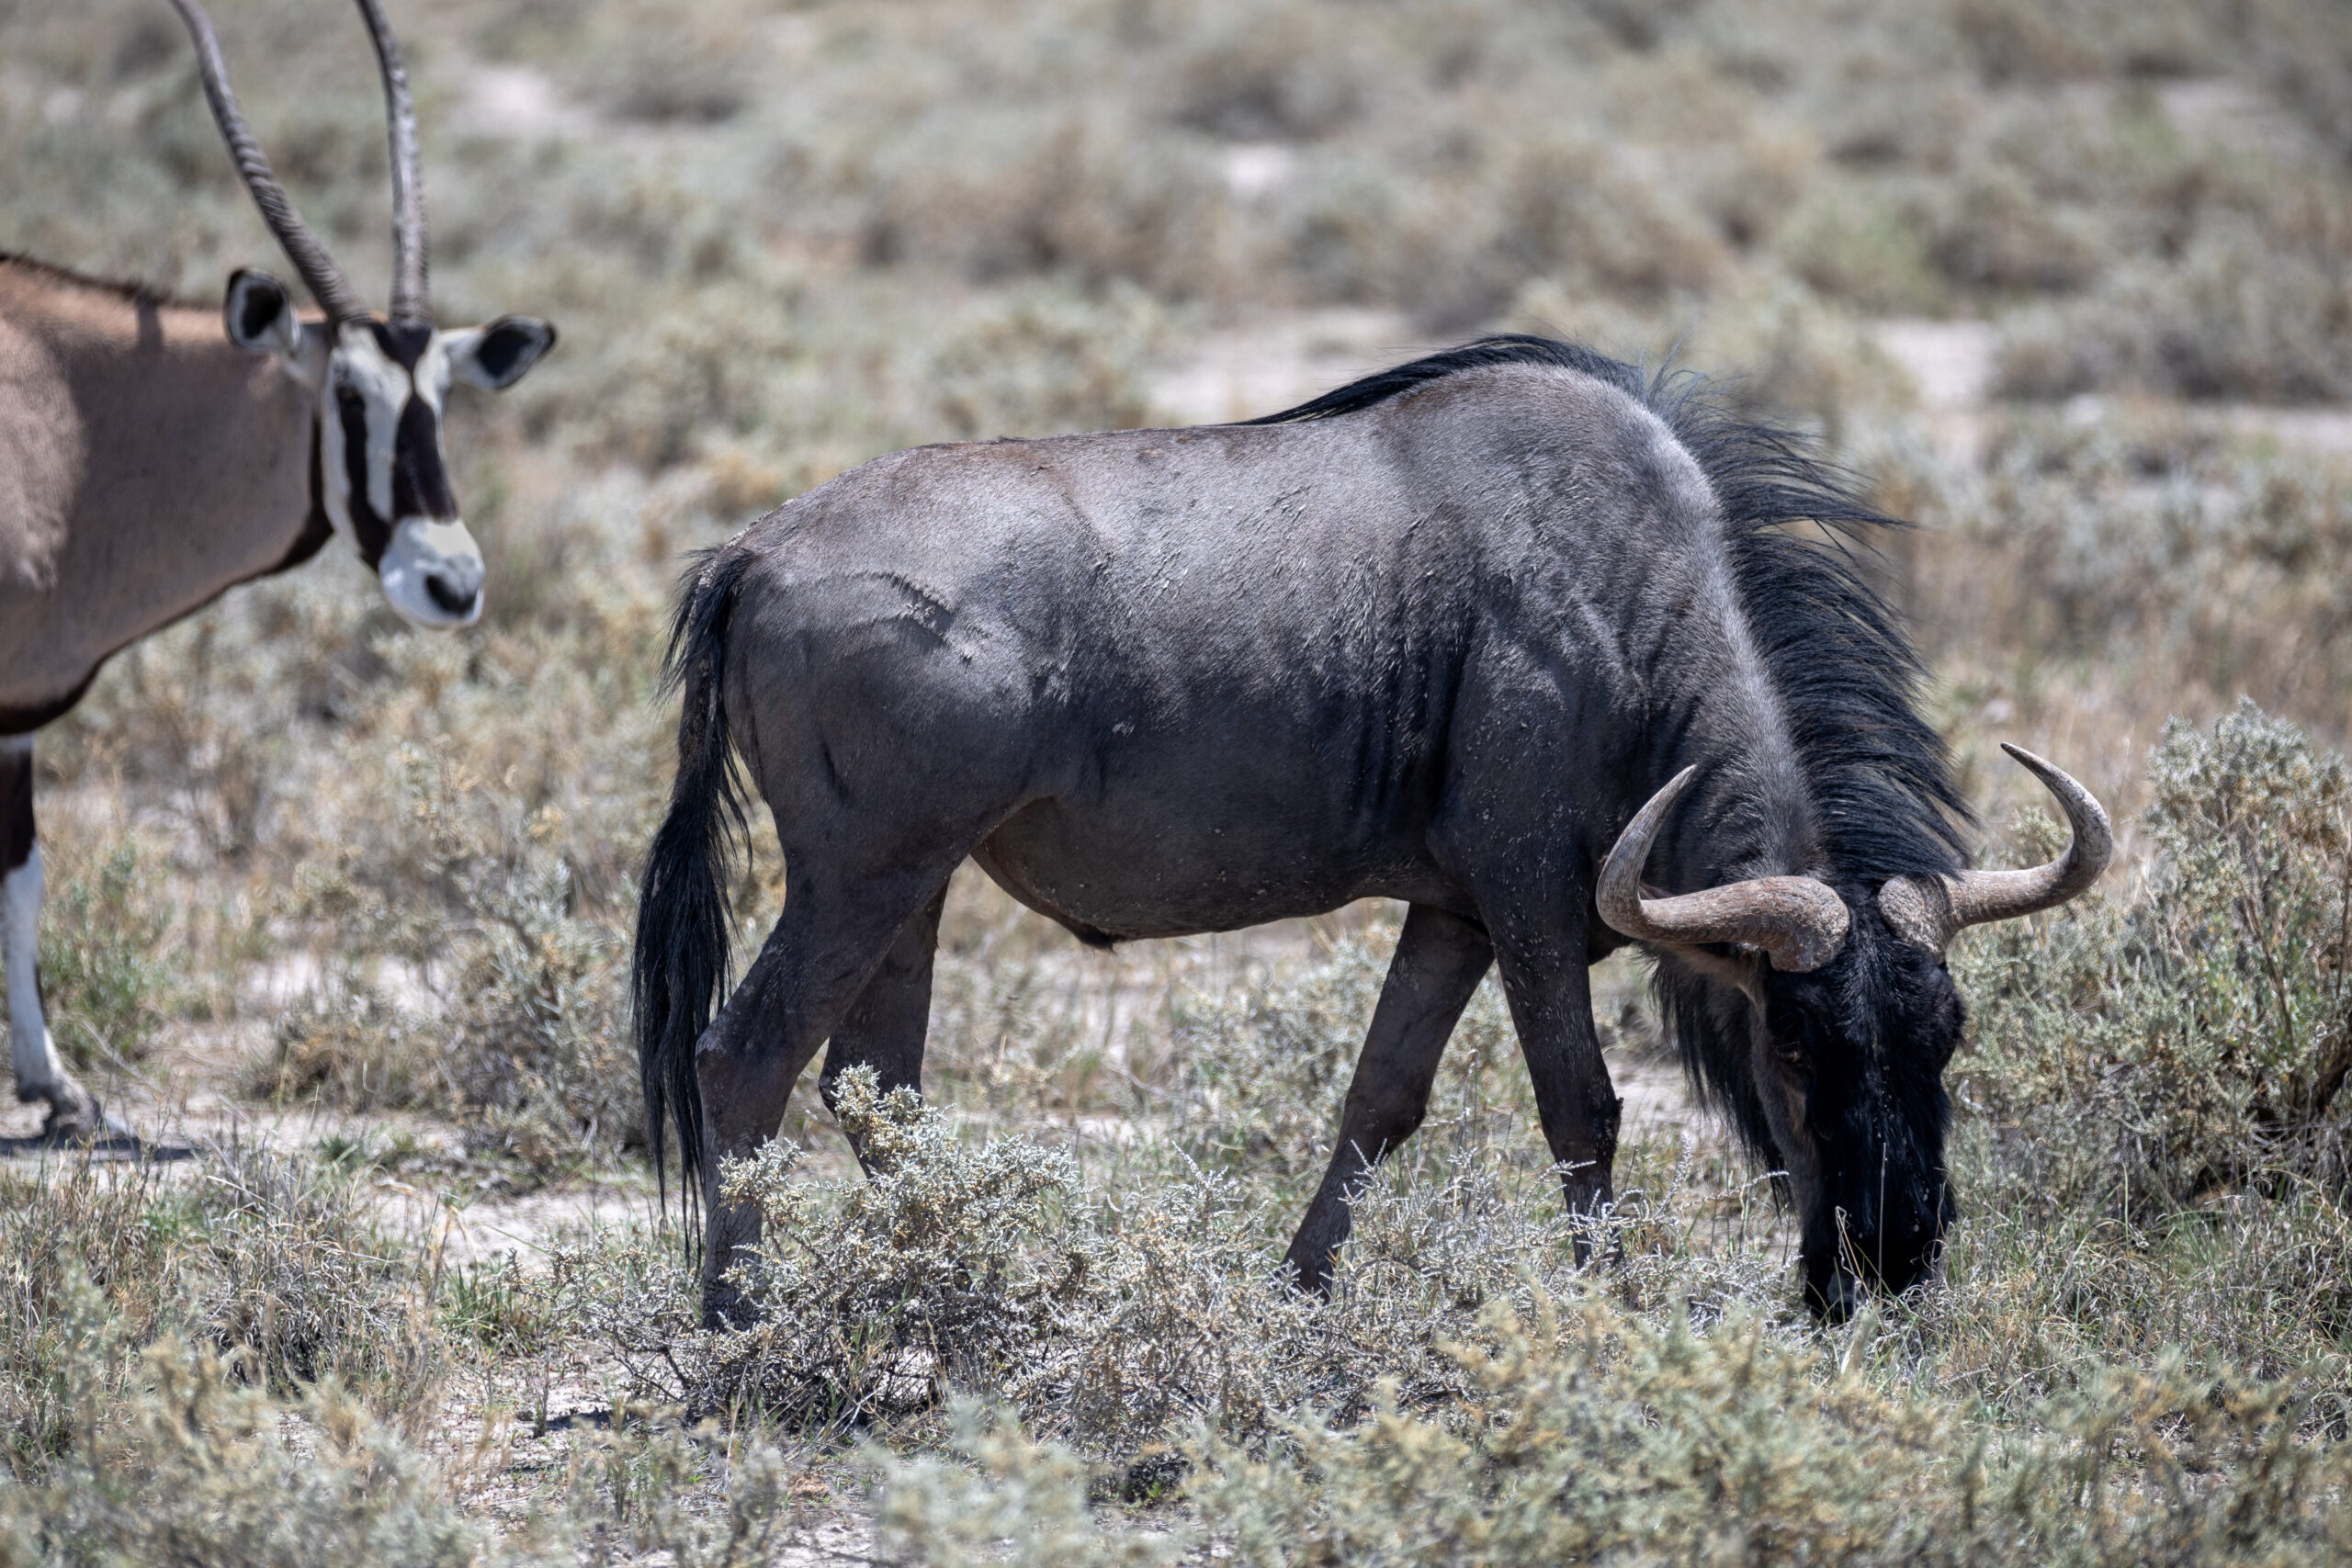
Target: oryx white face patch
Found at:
x=432, y=573
x=432, y=377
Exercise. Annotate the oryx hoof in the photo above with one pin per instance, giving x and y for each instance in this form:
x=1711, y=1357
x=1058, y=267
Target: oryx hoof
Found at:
x=75, y=1117
x=69, y=1124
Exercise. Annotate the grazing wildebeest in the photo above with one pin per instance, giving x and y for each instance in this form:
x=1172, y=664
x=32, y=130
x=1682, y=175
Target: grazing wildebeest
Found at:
x=1436, y=637
x=149, y=463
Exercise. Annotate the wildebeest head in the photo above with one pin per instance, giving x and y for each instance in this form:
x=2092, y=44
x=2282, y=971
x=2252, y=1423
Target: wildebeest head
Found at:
x=1840, y=1019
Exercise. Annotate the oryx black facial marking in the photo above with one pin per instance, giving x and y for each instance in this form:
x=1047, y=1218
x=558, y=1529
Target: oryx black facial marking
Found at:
x=318, y=529
x=368, y=520
x=390, y=436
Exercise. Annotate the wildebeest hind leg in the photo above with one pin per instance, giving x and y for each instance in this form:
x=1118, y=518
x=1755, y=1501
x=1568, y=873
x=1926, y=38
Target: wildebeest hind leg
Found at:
x=884, y=1028
x=1439, y=959
x=815, y=963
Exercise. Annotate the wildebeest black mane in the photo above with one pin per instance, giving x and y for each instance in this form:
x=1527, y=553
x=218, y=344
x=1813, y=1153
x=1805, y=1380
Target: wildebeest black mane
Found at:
x=1848, y=679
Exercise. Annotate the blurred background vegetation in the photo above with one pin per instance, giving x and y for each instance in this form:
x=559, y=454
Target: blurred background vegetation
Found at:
x=2070, y=281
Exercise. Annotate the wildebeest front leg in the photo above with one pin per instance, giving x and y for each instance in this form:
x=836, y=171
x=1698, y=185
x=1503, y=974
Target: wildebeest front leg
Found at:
x=39, y=1075
x=884, y=1029
x=1547, y=980
x=814, y=965
x=1439, y=959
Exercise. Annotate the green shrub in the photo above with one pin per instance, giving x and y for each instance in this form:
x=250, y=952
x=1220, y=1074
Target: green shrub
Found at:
x=109, y=979
x=298, y=1285
x=179, y=1458
x=909, y=1283
x=471, y=972
x=1868, y=252
x=1048, y=362
x=2191, y=1033
x=275, y=1263
x=1118, y=1312
x=2148, y=558
x=1260, y=1070
x=1586, y=1434
x=2244, y=313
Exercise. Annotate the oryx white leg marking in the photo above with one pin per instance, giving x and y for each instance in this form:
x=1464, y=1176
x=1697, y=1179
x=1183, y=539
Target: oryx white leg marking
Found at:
x=39, y=1074
x=34, y=1055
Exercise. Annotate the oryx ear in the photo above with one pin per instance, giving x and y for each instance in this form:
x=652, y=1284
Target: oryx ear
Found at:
x=496, y=356
x=259, y=315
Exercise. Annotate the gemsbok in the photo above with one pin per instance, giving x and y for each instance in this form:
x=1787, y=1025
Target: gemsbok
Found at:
x=149, y=463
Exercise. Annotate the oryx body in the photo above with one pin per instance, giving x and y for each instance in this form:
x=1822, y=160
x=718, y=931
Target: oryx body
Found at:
x=1436, y=637
x=154, y=455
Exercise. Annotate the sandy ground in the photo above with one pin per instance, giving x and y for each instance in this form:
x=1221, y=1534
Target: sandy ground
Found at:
x=1266, y=363
x=1954, y=365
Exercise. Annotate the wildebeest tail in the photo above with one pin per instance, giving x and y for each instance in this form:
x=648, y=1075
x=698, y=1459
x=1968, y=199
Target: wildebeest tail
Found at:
x=683, y=917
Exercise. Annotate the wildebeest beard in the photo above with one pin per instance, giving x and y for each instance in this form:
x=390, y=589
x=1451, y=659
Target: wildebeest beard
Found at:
x=1835, y=1086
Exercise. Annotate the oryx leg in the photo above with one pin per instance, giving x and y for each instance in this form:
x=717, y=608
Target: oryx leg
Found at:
x=884, y=1029
x=39, y=1075
x=814, y=967
x=1439, y=962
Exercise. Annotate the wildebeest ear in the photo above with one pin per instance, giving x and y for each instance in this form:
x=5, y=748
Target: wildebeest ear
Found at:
x=259, y=314
x=496, y=356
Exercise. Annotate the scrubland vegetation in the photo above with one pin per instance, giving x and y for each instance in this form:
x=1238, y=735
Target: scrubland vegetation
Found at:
x=347, y=904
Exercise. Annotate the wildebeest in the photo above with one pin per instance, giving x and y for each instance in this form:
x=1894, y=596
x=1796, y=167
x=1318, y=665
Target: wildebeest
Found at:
x=1501, y=633
x=153, y=455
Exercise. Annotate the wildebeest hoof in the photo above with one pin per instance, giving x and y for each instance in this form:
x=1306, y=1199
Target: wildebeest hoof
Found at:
x=1313, y=1283
x=1835, y=1301
x=723, y=1306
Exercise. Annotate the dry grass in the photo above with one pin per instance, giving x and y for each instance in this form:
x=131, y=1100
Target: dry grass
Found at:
x=307, y=858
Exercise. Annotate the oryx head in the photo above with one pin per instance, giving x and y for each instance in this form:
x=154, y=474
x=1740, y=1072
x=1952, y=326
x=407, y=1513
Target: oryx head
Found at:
x=380, y=382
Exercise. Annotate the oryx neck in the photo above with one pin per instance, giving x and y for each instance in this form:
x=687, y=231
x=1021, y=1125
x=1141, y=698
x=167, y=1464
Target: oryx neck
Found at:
x=173, y=466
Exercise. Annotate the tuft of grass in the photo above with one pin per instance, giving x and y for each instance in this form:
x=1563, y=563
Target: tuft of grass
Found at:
x=1585, y=1433
x=917, y=1280
x=110, y=975
x=178, y=1456
x=275, y=1266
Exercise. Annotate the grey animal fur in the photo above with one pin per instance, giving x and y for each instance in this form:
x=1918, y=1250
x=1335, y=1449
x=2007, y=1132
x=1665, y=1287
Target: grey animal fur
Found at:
x=1436, y=641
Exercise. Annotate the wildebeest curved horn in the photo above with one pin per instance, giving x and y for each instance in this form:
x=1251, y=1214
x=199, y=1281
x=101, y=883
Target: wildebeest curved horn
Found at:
x=320, y=275
x=408, y=180
x=1799, y=921
x=1932, y=910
